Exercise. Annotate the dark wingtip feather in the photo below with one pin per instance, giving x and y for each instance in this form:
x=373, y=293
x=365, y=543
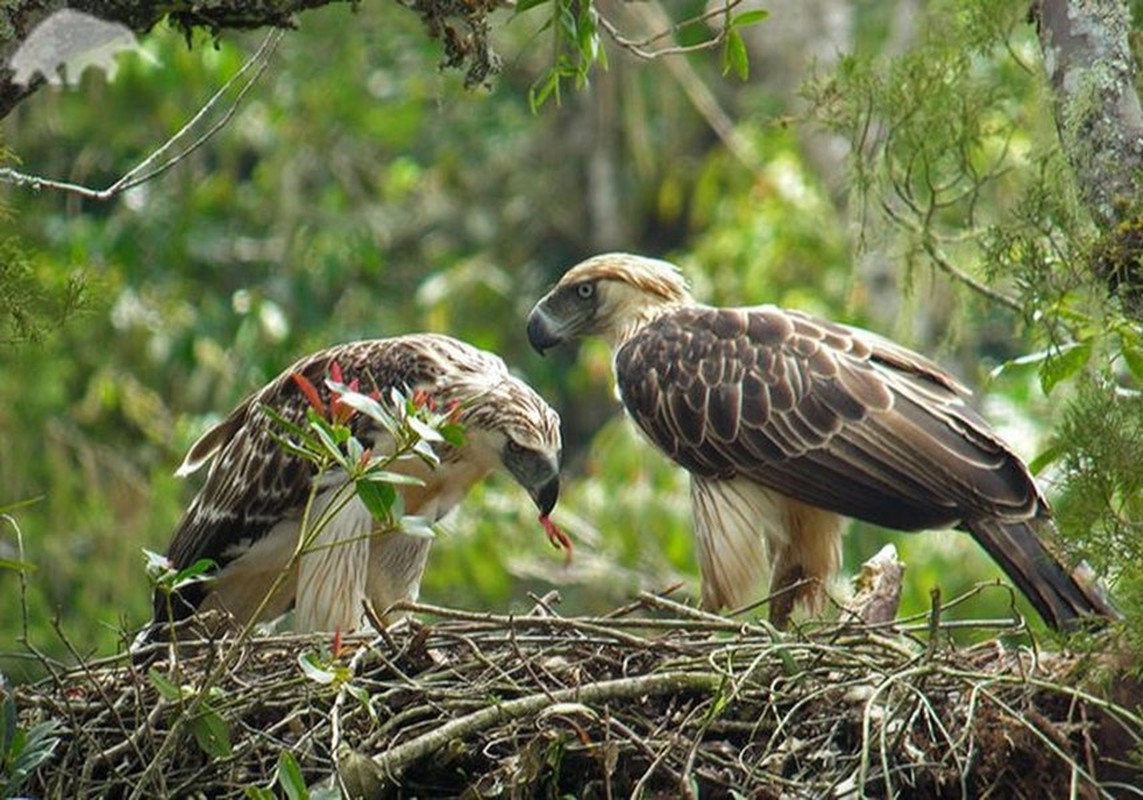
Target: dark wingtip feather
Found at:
x=1063, y=598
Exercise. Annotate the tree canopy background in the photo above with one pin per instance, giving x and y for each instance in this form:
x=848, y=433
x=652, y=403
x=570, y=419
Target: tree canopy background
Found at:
x=893, y=165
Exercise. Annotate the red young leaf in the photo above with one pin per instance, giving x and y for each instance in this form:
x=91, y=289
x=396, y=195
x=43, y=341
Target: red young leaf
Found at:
x=452, y=410
x=309, y=391
x=339, y=412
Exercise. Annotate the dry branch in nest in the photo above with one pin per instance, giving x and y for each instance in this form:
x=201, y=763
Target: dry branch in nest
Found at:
x=654, y=700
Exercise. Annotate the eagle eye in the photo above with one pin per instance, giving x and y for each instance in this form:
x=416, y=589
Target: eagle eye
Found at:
x=515, y=447
x=585, y=290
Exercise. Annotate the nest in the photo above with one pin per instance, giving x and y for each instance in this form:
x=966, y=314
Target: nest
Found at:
x=656, y=699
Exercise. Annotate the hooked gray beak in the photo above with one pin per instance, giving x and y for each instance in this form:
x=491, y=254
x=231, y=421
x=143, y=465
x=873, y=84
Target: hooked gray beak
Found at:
x=543, y=332
x=538, y=473
x=546, y=496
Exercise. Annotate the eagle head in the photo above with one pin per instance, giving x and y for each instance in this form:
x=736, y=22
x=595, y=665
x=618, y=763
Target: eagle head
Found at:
x=513, y=422
x=610, y=295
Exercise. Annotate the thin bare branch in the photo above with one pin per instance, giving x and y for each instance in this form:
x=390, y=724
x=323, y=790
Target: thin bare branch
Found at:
x=152, y=166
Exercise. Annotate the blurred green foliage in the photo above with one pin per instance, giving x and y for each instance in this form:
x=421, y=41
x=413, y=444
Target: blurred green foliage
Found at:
x=359, y=192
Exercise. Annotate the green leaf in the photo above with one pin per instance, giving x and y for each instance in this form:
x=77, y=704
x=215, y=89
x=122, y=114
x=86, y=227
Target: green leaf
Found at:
x=568, y=21
x=22, y=751
x=394, y=478
x=1029, y=359
x=331, y=442
x=354, y=450
x=588, y=38
x=361, y=694
x=290, y=777
x=259, y=793
x=426, y=452
x=194, y=573
x=418, y=526
x=279, y=420
x=18, y=566
x=453, y=433
x=734, y=56
x=528, y=5
x=1133, y=357
x=316, y=671
x=377, y=496
x=211, y=733
x=749, y=18
x=1064, y=363
x=1047, y=457
x=425, y=431
x=7, y=727
x=364, y=404
x=8, y=509
x=789, y=663
x=544, y=88
x=164, y=685
x=327, y=793
x=309, y=449
x=38, y=746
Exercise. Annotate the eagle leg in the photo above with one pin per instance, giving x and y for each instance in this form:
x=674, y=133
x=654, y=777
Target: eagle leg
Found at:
x=785, y=590
x=805, y=552
x=790, y=587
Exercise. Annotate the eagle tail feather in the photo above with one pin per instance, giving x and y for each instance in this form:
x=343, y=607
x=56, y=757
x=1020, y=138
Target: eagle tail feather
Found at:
x=1061, y=597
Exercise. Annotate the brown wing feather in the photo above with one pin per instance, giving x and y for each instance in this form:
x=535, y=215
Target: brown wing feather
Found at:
x=832, y=416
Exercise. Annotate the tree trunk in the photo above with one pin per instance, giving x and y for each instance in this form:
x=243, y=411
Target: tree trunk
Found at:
x=1089, y=63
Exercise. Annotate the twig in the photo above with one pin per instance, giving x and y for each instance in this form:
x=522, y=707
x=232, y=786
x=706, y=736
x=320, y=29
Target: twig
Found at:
x=144, y=171
x=601, y=627
x=666, y=29
x=397, y=759
x=700, y=95
x=942, y=262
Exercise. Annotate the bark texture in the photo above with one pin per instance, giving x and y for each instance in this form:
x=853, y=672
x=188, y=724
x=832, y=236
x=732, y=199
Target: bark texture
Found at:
x=1089, y=63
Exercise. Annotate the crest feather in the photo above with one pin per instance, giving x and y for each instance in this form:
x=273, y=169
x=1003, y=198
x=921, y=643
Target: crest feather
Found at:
x=660, y=278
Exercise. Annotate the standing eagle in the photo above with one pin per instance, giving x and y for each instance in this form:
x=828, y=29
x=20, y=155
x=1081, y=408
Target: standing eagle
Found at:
x=247, y=516
x=786, y=422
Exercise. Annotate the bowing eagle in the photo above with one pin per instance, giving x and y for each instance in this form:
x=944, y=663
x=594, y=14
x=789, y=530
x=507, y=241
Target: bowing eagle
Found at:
x=248, y=514
x=786, y=422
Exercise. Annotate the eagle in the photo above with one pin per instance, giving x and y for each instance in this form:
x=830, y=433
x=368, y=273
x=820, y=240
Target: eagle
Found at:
x=788, y=423
x=247, y=516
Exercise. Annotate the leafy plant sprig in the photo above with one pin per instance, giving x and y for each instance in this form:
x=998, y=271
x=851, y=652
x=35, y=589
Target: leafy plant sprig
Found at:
x=412, y=424
x=22, y=750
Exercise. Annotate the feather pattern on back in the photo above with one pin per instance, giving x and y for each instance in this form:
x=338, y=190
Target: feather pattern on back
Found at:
x=821, y=413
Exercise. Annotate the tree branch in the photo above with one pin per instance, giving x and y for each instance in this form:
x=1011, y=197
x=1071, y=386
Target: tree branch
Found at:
x=151, y=167
x=394, y=760
x=1089, y=63
x=19, y=18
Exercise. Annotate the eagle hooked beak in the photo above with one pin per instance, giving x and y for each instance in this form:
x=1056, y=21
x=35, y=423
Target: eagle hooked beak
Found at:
x=546, y=496
x=537, y=472
x=545, y=331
